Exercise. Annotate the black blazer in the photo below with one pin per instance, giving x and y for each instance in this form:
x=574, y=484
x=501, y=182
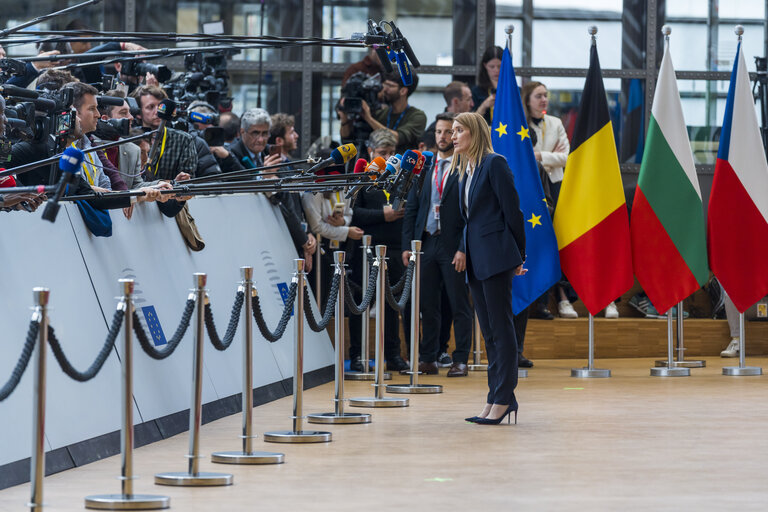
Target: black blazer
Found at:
x=419, y=207
x=495, y=232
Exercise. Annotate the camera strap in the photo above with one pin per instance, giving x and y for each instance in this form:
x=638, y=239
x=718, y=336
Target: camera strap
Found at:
x=85, y=166
x=160, y=156
x=397, y=123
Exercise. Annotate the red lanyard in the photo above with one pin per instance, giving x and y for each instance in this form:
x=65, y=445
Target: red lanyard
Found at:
x=441, y=185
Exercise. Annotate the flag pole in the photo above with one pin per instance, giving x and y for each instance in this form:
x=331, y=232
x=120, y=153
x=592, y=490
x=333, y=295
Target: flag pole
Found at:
x=590, y=371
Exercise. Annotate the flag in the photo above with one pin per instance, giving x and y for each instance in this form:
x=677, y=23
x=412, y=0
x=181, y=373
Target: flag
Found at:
x=669, y=248
x=591, y=221
x=510, y=138
x=737, y=219
x=153, y=323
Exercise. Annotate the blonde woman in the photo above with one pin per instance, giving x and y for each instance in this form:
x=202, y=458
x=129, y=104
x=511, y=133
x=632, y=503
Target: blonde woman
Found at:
x=494, y=238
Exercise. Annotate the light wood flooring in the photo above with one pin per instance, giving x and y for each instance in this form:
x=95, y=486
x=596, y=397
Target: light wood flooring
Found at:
x=631, y=442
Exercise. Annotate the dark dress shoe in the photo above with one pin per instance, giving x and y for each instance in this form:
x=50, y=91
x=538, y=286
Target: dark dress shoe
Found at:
x=542, y=313
x=397, y=364
x=357, y=366
x=458, y=370
x=428, y=368
x=524, y=362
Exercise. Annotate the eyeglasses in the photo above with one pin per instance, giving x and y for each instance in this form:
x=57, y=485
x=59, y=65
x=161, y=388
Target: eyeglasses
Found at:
x=257, y=134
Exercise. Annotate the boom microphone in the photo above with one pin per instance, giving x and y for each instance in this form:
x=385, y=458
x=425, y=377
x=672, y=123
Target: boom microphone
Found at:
x=69, y=163
x=199, y=117
x=404, y=68
x=339, y=156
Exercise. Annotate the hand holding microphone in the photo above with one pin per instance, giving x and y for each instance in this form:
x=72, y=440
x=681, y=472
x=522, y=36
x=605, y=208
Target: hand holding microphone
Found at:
x=69, y=163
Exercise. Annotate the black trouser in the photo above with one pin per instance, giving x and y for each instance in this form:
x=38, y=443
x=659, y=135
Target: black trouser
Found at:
x=521, y=322
x=436, y=268
x=391, y=318
x=493, y=303
x=446, y=320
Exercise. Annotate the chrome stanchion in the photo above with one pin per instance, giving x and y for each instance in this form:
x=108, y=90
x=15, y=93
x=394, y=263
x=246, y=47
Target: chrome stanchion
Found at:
x=680, y=360
x=339, y=416
x=742, y=370
x=298, y=435
x=127, y=500
x=37, y=464
x=414, y=386
x=318, y=270
x=379, y=400
x=194, y=477
x=670, y=370
x=247, y=455
x=477, y=365
x=365, y=324
x=590, y=371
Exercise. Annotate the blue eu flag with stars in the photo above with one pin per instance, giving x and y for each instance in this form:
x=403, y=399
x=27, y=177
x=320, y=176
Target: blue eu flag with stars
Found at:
x=509, y=134
x=153, y=323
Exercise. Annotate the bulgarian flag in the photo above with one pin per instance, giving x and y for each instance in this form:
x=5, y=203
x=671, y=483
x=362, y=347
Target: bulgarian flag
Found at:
x=669, y=248
x=737, y=219
x=591, y=221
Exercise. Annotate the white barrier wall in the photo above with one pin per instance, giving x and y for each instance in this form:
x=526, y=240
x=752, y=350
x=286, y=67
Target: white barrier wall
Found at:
x=82, y=272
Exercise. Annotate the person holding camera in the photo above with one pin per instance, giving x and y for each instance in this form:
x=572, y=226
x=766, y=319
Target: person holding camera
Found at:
x=406, y=122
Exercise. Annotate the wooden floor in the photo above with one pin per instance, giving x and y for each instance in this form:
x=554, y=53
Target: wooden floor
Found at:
x=631, y=442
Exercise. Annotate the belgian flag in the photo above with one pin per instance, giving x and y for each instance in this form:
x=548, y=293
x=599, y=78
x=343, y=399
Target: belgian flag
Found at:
x=591, y=221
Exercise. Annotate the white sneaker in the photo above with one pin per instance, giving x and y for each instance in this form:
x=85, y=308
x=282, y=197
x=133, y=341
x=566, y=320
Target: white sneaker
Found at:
x=732, y=350
x=565, y=310
x=611, y=311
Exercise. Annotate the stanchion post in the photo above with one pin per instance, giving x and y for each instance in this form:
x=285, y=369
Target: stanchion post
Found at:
x=414, y=386
x=318, y=271
x=298, y=434
x=339, y=416
x=37, y=464
x=127, y=500
x=670, y=370
x=193, y=476
x=379, y=400
x=742, y=370
x=248, y=455
x=590, y=371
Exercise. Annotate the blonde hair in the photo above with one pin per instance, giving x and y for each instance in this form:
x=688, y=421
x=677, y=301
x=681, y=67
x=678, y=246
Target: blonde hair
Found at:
x=481, y=141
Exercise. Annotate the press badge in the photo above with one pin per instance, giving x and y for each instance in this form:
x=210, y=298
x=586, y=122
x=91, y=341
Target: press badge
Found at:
x=436, y=211
x=334, y=244
x=762, y=309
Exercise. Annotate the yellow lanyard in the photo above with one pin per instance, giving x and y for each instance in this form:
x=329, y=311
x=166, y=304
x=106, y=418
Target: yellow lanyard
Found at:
x=85, y=167
x=162, y=150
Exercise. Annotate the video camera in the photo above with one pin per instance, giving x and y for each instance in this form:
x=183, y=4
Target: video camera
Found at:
x=39, y=116
x=205, y=79
x=358, y=88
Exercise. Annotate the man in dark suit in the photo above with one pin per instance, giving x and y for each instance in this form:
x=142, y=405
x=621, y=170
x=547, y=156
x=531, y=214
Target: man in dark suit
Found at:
x=432, y=215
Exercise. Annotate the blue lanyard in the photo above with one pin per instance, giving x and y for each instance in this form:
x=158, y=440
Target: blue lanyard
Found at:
x=389, y=117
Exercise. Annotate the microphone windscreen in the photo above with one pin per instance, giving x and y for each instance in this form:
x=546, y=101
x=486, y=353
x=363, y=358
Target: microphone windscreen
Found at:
x=71, y=159
x=166, y=109
x=410, y=158
x=429, y=156
x=404, y=68
x=378, y=164
x=360, y=165
x=109, y=101
x=7, y=181
x=394, y=161
x=44, y=104
x=198, y=117
x=419, y=165
x=22, y=92
x=344, y=153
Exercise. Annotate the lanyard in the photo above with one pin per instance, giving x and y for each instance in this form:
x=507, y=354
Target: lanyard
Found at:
x=162, y=150
x=397, y=123
x=85, y=167
x=440, y=186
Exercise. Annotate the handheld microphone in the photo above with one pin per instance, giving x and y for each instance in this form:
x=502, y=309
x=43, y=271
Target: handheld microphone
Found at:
x=69, y=163
x=360, y=166
x=428, y=167
x=7, y=181
x=407, y=179
x=165, y=111
x=407, y=164
x=247, y=162
x=199, y=117
x=339, y=156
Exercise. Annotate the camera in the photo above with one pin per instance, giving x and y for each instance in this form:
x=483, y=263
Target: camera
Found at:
x=112, y=129
x=205, y=79
x=48, y=116
x=360, y=87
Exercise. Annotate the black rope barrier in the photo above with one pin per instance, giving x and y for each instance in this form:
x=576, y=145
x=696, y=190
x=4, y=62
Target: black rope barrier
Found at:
x=147, y=345
x=21, y=365
x=258, y=315
x=222, y=344
x=399, y=305
x=93, y=370
x=353, y=307
x=319, y=326
x=397, y=289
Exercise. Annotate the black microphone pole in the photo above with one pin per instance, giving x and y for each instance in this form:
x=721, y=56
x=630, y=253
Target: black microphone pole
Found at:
x=6, y=32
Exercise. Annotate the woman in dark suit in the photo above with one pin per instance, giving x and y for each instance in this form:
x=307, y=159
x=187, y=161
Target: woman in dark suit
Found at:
x=494, y=238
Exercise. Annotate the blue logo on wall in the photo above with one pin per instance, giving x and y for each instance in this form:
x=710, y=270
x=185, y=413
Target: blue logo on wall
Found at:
x=283, y=289
x=153, y=322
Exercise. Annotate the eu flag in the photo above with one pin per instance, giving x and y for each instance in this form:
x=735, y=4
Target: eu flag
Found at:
x=510, y=138
x=153, y=323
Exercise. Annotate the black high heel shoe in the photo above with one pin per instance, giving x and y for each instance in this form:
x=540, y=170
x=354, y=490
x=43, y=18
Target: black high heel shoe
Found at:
x=507, y=413
x=473, y=419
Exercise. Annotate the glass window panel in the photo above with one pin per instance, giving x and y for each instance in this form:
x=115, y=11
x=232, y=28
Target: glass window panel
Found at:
x=342, y=21
x=560, y=43
x=752, y=45
x=430, y=38
x=688, y=8
x=594, y=5
x=741, y=9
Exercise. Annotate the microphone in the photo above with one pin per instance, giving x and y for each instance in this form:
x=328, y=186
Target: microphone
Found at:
x=402, y=192
x=12, y=90
x=198, y=117
x=409, y=160
x=109, y=101
x=165, y=111
x=7, y=181
x=339, y=156
x=69, y=163
x=428, y=166
x=360, y=166
x=404, y=68
x=247, y=162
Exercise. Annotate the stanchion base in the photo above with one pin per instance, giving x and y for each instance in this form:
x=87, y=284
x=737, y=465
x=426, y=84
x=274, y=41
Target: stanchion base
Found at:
x=689, y=363
x=586, y=373
x=737, y=371
x=365, y=376
x=346, y=418
x=522, y=373
x=127, y=502
x=248, y=458
x=378, y=402
x=670, y=372
x=193, y=480
x=302, y=436
x=423, y=389
x=478, y=367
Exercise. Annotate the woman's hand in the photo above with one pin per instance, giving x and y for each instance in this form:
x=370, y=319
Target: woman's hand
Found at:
x=519, y=270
